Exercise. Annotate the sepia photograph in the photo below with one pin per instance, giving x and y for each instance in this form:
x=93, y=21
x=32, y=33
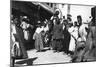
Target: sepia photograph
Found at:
x=43, y=33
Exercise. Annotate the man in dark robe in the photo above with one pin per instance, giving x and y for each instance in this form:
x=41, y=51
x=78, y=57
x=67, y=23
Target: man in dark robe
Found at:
x=67, y=37
x=19, y=36
x=57, y=35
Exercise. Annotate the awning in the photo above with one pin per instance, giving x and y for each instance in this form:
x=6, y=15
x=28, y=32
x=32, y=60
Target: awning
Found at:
x=45, y=6
x=25, y=7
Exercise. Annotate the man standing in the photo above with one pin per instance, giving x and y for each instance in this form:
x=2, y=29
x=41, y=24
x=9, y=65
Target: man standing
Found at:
x=57, y=35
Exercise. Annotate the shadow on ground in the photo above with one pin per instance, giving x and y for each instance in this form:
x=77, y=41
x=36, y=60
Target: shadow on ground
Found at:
x=43, y=50
x=27, y=61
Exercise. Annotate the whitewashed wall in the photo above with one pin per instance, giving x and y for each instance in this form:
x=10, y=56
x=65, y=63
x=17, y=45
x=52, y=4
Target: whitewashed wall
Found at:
x=75, y=10
x=63, y=9
x=84, y=11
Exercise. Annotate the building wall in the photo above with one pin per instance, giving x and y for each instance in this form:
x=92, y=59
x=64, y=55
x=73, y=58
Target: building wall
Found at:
x=84, y=11
x=63, y=8
x=74, y=10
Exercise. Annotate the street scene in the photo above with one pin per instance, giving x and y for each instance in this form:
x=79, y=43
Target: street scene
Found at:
x=51, y=33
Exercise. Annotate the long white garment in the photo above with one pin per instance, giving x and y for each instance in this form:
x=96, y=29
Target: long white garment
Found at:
x=82, y=32
x=38, y=30
x=72, y=44
x=26, y=34
x=74, y=31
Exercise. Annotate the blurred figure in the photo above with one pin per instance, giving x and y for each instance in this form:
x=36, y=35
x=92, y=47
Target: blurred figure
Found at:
x=18, y=50
x=55, y=15
x=57, y=35
x=82, y=29
x=38, y=39
x=49, y=33
x=25, y=25
x=63, y=19
x=81, y=42
x=69, y=19
x=72, y=43
x=89, y=53
x=17, y=33
x=67, y=37
x=74, y=30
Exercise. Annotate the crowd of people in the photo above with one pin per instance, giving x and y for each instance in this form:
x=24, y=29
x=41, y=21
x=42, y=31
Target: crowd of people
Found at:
x=76, y=38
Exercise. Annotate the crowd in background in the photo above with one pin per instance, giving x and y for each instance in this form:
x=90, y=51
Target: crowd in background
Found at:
x=74, y=38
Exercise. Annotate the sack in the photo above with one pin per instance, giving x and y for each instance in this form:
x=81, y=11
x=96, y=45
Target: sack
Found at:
x=16, y=51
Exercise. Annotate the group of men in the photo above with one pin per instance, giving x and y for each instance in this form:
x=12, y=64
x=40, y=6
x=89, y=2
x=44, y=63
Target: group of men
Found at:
x=76, y=39
x=58, y=34
x=61, y=34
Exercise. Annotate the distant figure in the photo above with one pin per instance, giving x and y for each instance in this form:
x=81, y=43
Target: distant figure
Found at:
x=82, y=29
x=19, y=37
x=49, y=33
x=25, y=25
x=38, y=39
x=73, y=30
x=67, y=37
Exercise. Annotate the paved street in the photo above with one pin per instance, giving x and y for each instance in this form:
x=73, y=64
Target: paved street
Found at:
x=44, y=57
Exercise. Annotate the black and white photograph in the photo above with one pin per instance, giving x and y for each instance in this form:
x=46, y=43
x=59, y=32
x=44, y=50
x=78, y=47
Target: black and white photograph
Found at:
x=43, y=33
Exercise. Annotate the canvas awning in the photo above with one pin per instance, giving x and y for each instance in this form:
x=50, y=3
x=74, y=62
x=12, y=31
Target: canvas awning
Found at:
x=45, y=6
